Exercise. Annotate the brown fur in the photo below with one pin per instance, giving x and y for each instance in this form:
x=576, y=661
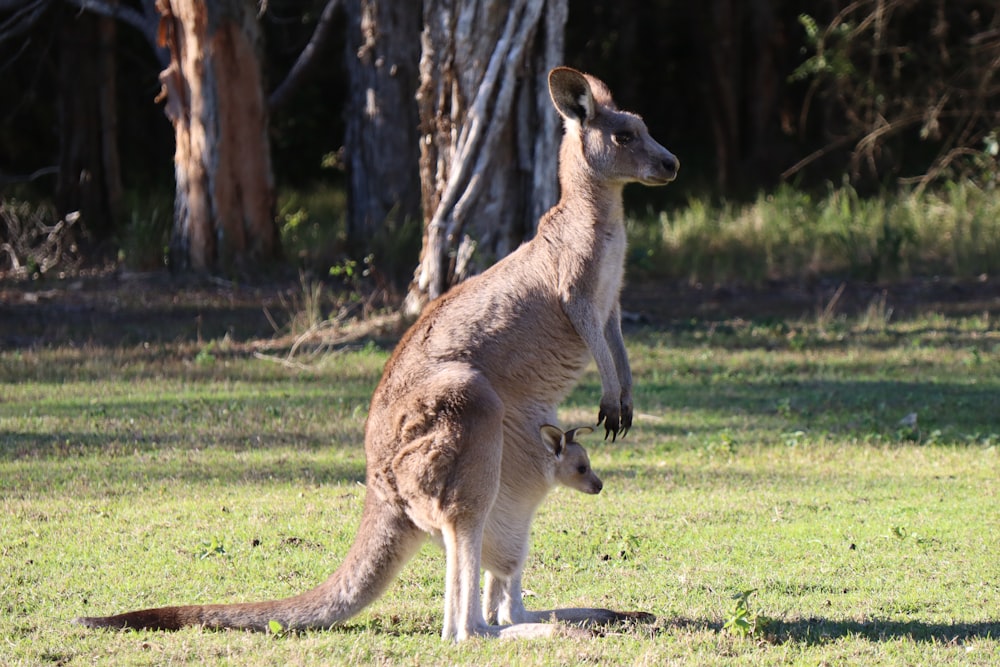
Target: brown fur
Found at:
x=451, y=440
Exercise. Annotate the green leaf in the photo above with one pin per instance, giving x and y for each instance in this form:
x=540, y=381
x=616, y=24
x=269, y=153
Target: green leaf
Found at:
x=810, y=26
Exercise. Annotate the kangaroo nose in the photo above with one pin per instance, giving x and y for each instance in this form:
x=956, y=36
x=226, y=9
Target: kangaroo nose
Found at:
x=671, y=165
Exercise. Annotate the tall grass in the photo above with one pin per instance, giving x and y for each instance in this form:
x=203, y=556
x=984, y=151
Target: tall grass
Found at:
x=792, y=235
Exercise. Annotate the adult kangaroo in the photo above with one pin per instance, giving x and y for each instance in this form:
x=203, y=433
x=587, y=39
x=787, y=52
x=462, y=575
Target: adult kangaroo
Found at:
x=452, y=435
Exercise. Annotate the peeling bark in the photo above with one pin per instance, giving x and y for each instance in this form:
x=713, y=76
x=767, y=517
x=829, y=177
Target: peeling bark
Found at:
x=224, y=206
x=489, y=146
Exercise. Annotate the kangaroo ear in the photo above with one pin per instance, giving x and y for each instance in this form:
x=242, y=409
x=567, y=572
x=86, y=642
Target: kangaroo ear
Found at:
x=554, y=439
x=571, y=94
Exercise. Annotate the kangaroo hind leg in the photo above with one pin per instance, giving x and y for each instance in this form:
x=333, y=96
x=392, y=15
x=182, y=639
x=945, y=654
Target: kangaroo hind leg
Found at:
x=448, y=473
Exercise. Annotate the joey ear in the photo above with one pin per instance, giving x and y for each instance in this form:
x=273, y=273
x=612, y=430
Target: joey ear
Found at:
x=554, y=439
x=571, y=94
x=579, y=430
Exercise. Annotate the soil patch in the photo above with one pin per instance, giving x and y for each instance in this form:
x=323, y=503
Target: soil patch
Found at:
x=120, y=309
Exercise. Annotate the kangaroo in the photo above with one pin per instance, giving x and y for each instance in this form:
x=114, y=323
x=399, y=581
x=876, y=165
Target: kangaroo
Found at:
x=568, y=466
x=451, y=439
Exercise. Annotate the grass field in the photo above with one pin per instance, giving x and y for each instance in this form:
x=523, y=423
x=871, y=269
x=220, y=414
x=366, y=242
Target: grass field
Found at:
x=846, y=470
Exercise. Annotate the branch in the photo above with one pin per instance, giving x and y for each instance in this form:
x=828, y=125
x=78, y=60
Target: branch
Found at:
x=815, y=155
x=145, y=21
x=24, y=17
x=20, y=5
x=7, y=179
x=938, y=168
x=306, y=60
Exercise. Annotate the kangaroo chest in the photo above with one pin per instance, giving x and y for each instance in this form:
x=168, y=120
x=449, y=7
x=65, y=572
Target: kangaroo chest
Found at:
x=609, y=269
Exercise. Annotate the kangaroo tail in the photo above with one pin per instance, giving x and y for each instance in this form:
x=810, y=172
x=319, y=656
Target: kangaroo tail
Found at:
x=386, y=539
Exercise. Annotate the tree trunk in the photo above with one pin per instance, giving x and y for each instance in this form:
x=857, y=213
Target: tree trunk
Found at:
x=224, y=206
x=89, y=178
x=382, y=138
x=741, y=43
x=490, y=141
x=723, y=49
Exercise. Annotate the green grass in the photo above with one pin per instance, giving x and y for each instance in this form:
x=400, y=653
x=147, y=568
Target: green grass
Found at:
x=792, y=235
x=765, y=455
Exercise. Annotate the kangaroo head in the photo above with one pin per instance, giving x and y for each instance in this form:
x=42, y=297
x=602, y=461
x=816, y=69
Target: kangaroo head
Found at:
x=614, y=145
x=572, y=463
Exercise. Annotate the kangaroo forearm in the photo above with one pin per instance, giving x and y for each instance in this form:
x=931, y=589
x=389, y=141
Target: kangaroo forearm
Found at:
x=616, y=344
x=589, y=327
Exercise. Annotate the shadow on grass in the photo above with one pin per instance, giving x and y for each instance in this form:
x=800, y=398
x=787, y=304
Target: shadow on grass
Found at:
x=814, y=630
x=951, y=411
x=30, y=325
x=194, y=363
x=120, y=310
x=51, y=464
x=773, y=336
x=820, y=630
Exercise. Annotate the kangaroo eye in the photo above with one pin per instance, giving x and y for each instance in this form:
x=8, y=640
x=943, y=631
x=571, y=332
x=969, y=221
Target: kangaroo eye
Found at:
x=581, y=469
x=623, y=138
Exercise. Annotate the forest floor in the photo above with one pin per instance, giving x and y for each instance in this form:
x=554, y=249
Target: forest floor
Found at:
x=115, y=308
